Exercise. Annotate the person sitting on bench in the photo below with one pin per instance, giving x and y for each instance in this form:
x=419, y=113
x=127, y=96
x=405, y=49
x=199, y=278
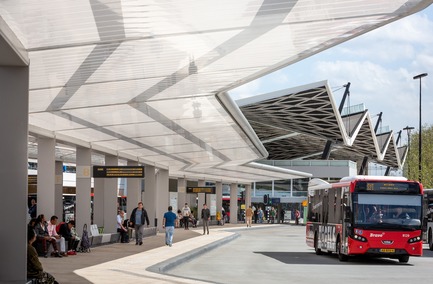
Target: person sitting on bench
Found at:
x=44, y=238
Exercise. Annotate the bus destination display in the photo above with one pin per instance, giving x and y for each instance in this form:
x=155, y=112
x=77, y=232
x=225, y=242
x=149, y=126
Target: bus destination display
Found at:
x=386, y=186
x=118, y=171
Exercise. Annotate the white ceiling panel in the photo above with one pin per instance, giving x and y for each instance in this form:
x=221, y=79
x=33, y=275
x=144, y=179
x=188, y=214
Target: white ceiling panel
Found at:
x=118, y=114
x=179, y=149
x=109, y=93
x=55, y=68
x=165, y=140
x=52, y=122
x=120, y=145
x=87, y=134
x=139, y=130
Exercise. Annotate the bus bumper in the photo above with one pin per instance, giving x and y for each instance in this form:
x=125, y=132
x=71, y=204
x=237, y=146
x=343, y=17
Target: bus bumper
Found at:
x=357, y=248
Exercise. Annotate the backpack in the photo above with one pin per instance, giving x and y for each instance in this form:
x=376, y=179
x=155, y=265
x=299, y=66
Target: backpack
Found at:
x=186, y=212
x=85, y=240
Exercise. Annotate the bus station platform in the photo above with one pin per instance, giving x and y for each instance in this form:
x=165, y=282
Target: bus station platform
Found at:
x=131, y=263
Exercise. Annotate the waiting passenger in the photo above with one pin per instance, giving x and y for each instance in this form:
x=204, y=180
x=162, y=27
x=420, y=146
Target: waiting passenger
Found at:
x=65, y=231
x=218, y=218
x=32, y=223
x=53, y=234
x=186, y=211
x=193, y=220
x=32, y=209
x=43, y=237
x=180, y=218
x=34, y=266
x=124, y=238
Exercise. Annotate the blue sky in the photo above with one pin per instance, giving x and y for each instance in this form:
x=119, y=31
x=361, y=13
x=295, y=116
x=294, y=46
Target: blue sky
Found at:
x=379, y=65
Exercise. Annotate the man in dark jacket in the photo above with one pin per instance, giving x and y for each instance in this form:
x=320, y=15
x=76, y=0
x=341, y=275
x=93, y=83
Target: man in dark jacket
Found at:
x=65, y=231
x=137, y=219
x=205, y=216
x=32, y=209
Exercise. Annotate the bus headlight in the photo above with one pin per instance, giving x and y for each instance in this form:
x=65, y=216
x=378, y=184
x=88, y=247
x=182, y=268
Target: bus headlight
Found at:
x=359, y=238
x=414, y=240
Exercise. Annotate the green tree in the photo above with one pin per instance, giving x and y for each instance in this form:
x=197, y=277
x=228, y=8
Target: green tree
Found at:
x=411, y=168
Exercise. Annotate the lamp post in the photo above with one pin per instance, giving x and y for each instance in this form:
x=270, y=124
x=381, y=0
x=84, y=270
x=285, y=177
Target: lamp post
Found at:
x=420, y=125
x=408, y=130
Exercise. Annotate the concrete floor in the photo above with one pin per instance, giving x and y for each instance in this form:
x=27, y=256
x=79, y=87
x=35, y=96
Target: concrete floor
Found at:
x=63, y=268
x=129, y=263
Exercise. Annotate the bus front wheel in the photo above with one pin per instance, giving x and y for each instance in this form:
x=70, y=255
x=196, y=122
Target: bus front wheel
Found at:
x=316, y=245
x=403, y=259
x=341, y=257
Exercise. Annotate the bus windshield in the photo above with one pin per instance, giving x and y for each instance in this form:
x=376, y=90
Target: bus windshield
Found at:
x=387, y=211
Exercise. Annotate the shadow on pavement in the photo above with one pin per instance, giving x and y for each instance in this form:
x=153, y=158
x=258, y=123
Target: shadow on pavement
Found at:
x=326, y=259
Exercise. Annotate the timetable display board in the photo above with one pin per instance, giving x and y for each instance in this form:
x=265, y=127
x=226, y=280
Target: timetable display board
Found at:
x=32, y=179
x=201, y=189
x=118, y=171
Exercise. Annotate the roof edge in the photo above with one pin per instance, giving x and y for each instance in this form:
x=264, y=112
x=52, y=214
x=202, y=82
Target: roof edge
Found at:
x=233, y=110
x=279, y=93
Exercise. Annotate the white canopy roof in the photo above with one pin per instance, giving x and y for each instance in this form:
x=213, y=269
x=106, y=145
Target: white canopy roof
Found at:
x=145, y=80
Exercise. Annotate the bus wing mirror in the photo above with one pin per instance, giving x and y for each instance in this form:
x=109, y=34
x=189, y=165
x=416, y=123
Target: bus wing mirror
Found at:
x=347, y=212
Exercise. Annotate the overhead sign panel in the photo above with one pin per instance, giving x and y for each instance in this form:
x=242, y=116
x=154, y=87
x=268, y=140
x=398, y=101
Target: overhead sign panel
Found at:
x=32, y=179
x=118, y=171
x=201, y=189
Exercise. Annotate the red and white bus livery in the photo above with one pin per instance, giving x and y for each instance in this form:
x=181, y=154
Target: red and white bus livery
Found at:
x=366, y=215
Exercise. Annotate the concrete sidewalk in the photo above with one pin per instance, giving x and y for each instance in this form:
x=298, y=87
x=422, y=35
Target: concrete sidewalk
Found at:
x=129, y=263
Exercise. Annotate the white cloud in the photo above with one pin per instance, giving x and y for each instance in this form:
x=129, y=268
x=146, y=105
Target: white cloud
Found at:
x=380, y=66
x=247, y=90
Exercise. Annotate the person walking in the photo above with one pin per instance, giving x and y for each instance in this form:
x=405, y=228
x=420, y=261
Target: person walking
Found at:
x=205, y=216
x=260, y=215
x=272, y=213
x=282, y=212
x=249, y=216
x=297, y=216
x=168, y=222
x=138, y=219
x=186, y=212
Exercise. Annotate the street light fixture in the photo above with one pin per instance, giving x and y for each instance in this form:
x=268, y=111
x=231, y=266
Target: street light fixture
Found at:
x=420, y=125
x=408, y=130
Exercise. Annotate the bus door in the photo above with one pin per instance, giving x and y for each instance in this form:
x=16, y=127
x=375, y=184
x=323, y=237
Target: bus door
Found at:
x=347, y=215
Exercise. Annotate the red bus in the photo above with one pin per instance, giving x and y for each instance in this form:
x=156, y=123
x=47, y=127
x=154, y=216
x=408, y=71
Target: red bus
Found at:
x=366, y=215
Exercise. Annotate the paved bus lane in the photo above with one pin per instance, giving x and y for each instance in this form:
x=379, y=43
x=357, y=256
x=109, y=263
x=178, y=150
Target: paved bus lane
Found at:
x=278, y=254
